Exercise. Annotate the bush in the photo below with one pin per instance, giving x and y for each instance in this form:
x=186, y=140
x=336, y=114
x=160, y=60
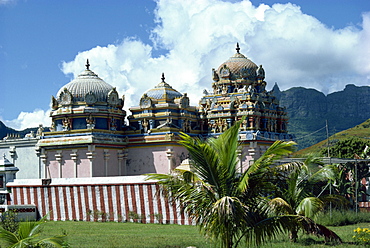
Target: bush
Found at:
x=342, y=218
x=9, y=221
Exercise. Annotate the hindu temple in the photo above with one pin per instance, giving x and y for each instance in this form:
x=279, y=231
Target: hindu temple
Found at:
x=92, y=136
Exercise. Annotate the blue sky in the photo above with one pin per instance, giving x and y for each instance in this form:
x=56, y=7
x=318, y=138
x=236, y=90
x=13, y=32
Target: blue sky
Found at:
x=43, y=45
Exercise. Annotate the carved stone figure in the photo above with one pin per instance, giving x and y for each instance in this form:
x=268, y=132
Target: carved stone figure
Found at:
x=52, y=128
x=54, y=103
x=66, y=124
x=40, y=130
x=90, y=122
x=145, y=125
x=186, y=126
x=112, y=124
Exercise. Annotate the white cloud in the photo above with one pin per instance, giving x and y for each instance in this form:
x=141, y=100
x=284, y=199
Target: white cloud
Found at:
x=30, y=119
x=294, y=48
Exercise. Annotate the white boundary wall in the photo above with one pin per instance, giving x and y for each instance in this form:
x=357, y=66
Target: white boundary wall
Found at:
x=121, y=199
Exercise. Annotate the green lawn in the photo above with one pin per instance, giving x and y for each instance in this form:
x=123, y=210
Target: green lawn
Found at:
x=111, y=234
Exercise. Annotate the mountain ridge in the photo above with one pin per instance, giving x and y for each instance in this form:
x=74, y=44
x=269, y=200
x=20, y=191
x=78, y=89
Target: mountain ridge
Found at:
x=309, y=110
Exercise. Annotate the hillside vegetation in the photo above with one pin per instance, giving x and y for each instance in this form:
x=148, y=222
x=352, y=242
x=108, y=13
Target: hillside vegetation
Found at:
x=361, y=131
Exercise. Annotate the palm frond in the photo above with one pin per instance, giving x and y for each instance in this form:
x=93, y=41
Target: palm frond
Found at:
x=310, y=227
x=313, y=160
x=328, y=172
x=288, y=167
x=268, y=229
x=275, y=151
x=205, y=159
x=8, y=237
x=28, y=229
x=55, y=241
x=310, y=207
x=280, y=207
x=225, y=220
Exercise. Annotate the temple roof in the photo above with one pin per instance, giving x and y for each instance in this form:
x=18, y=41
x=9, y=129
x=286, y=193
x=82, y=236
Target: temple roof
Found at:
x=237, y=66
x=87, y=82
x=163, y=91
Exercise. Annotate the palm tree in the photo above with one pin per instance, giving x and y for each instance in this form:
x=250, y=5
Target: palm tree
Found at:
x=28, y=236
x=295, y=196
x=227, y=205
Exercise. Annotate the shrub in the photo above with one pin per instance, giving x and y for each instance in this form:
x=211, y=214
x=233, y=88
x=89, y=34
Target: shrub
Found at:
x=9, y=221
x=362, y=235
x=134, y=216
x=97, y=215
x=342, y=218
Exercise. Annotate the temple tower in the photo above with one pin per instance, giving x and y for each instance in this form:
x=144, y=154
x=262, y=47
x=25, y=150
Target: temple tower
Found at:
x=239, y=89
x=154, y=129
x=86, y=138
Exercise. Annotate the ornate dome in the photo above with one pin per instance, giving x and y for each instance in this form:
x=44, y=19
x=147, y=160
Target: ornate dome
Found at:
x=87, y=83
x=237, y=67
x=163, y=91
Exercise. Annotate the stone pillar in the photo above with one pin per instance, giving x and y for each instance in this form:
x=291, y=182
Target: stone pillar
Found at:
x=122, y=157
x=106, y=159
x=38, y=153
x=253, y=151
x=91, y=155
x=44, y=158
x=59, y=158
x=240, y=162
x=74, y=158
x=169, y=154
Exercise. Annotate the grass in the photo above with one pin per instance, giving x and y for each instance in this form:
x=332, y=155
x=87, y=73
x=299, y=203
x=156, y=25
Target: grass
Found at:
x=345, y=232
x=112, y=234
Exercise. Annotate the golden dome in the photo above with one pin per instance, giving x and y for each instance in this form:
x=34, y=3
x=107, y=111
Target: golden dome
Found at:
x=237, y=67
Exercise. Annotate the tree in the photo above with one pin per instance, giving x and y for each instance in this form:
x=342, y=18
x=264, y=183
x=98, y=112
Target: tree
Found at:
x=296, y=197
x=346, y=148
x=227, y=205
x=351, y=173
x=28, y=236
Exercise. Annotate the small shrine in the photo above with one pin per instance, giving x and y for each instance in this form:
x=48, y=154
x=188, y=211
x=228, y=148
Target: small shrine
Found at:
x=7, y=174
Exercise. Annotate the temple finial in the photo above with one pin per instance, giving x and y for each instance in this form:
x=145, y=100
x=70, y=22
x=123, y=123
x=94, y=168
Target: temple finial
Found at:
x=237, y=47
x=163, y=78
x=87, y=65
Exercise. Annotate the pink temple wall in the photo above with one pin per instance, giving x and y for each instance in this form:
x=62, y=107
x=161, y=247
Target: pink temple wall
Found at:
x=98, y=163
x=68, y=170
x=83, y=168
x=103, y=167
x=141, y=160
x=113, y=164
